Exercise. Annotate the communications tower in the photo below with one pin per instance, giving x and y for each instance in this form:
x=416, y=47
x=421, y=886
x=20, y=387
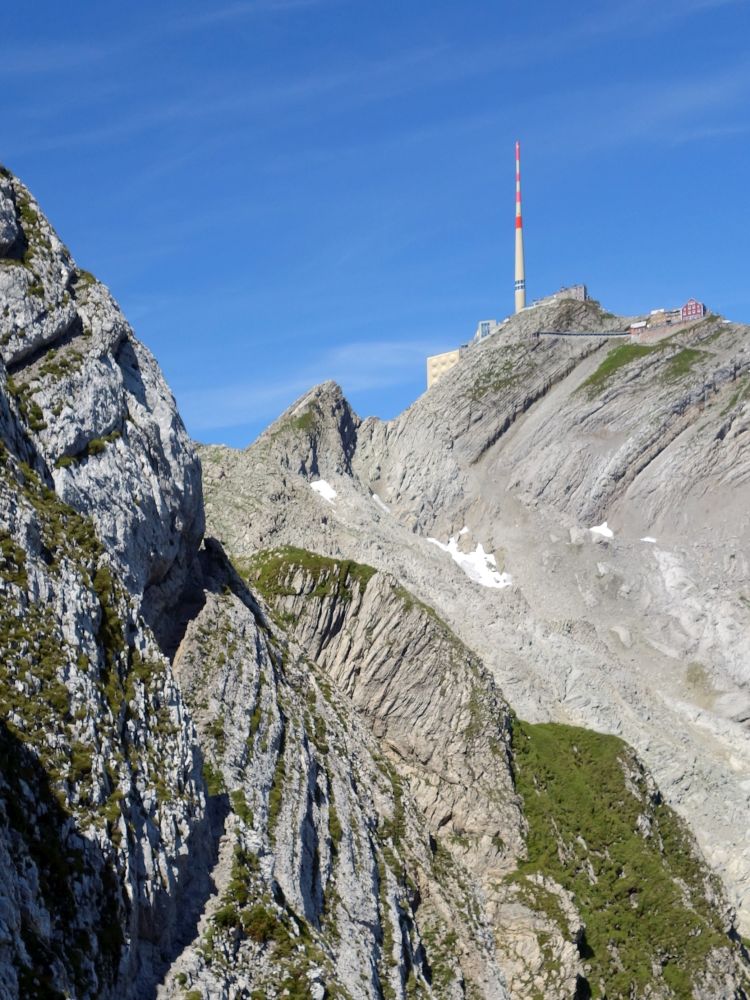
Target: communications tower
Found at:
x=520, y=283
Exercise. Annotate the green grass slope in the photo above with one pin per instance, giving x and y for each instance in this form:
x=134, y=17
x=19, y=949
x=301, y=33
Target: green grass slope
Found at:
x=598, y=827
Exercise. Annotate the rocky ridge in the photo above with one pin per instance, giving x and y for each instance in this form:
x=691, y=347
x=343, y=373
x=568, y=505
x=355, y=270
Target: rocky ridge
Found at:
x=102, y=416
x=636, y=634
x=335, y=883
x=125, y=862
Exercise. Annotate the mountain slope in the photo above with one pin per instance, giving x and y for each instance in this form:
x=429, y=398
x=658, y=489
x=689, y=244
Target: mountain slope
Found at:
x=635, y=637
x=638, y=897
x=335, y=883
x=289, y=777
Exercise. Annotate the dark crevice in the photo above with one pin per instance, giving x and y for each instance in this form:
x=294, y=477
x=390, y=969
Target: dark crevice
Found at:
x=78, y=886
x=65, y=337
x=196, y=886
x=126, y=359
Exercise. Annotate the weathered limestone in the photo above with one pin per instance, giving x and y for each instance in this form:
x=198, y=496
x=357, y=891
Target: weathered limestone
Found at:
x=529, y=445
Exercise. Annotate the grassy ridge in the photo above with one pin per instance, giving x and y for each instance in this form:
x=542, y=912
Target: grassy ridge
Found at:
x=677, y=366
x=270, y=569
x=626, y=857
x=622, y=355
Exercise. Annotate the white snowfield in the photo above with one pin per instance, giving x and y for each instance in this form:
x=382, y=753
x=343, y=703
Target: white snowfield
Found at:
x=324, y=489
x=603, y=530
x=479, y=566
x=649, y=539
x=379, y=503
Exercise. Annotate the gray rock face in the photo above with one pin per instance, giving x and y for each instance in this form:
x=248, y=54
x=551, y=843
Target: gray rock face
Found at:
x=97, y=836
x=8, y=226
x=103, y=829
x=103, y=418
x=326, y=876
x=529, y=443
x=651, y=440
x=429, y=702
x=438, y=716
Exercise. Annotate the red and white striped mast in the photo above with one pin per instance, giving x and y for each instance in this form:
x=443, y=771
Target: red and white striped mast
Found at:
x=520, y=284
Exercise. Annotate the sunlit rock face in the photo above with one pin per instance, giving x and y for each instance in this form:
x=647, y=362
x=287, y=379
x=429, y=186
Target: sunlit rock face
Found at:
x=102, y=416
x=607, y=480
x=104, y=838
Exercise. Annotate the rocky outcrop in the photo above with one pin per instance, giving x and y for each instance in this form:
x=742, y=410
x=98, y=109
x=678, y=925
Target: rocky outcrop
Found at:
x=330, y=885
x=103, y=828
x=97, y=836
x=102, y=417
x=424, y=463
x=9, y=230
x=322, y=431
x=428, y=700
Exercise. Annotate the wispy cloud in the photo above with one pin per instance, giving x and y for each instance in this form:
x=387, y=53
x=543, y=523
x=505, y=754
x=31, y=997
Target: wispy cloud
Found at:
x=353, y=85
x=728, y=131
x=650, y=109
x=48, y=58
x=347, y=86
x=357, y=367
x=248, y=8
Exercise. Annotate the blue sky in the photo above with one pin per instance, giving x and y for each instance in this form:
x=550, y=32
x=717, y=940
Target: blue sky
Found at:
x=283, y=191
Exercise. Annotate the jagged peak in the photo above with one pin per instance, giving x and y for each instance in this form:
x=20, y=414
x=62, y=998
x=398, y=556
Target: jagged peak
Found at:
x=326, y=397
x=316, y=434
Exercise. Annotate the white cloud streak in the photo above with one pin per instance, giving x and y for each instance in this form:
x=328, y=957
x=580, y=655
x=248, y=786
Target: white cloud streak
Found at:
x=243, y=9
x=652, y=110
x=330, y=90
x=357, y=367
x=46, y=58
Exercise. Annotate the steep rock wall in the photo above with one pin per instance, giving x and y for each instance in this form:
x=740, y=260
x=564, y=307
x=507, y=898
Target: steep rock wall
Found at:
x=101, y=414
x=102, y=794
x=528, y=444
x=103, y=829
x=329, y=883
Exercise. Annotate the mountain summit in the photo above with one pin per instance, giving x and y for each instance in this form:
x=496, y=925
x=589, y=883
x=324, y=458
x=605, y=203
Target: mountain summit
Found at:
x=290, y=759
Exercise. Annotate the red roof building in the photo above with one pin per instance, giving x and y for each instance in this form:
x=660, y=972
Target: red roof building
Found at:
x=693, y=309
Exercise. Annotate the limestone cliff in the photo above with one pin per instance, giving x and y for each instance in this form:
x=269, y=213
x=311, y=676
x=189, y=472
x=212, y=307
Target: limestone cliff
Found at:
x=103, y=832
x=103, y=420
x=328, y=883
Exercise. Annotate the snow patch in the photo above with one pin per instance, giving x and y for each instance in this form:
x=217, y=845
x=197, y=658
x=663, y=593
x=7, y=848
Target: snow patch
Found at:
x=324, y=489
x=380, y=503
x=649, y=539
x=479, y=566
x=464, y=531
x=603, y=530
